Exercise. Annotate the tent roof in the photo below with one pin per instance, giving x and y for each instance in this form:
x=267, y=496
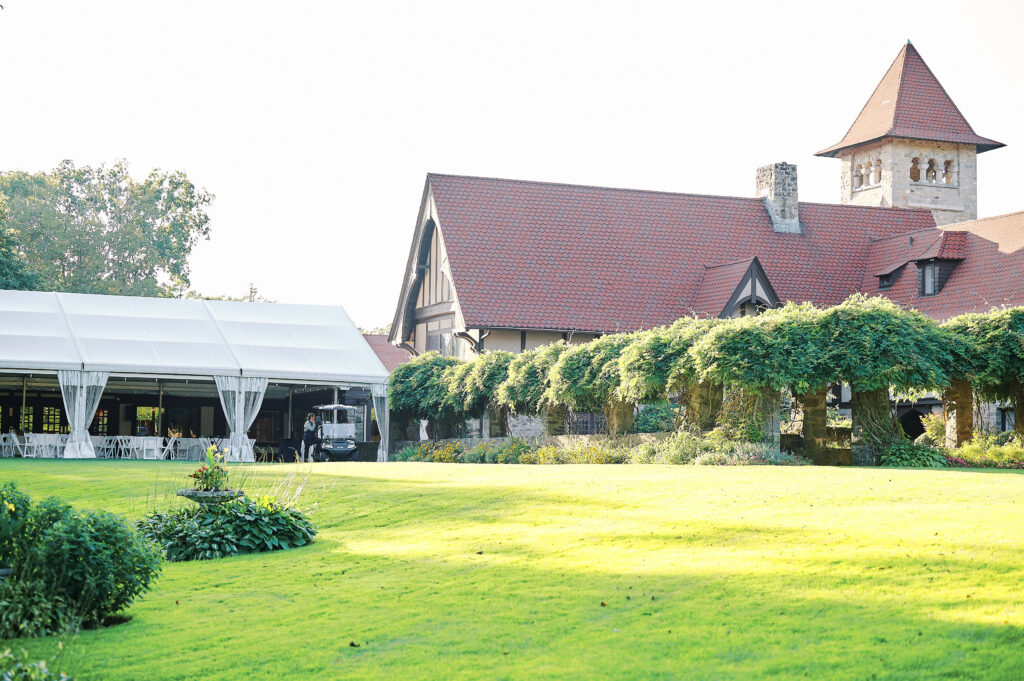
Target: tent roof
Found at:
x=176, y=337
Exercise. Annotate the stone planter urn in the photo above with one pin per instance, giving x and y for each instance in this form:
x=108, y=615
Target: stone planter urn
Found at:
x=210, y=497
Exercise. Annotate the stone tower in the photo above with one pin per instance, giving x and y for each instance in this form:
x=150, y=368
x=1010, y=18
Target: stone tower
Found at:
x=910, y=147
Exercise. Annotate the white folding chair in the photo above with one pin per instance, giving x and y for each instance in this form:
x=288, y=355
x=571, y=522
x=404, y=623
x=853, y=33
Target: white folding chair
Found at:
x=31, y=445
x=108, y=447
x=6, y=450
x=170, y=450
x=17, y=443
x=151, y=448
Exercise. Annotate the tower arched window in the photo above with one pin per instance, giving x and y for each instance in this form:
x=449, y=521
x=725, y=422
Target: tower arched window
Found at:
x=932, y=173
x=869, y=173
x=878, y=171
x=915, y=169
x=947, y=172
x=858, y=176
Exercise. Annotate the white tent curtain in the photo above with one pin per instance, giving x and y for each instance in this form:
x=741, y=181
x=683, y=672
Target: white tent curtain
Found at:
x=383, y=416
x=241, y=398
x=81, y=391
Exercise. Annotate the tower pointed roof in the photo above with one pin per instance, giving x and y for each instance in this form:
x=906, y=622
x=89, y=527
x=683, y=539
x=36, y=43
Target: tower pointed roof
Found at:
x=910, y=102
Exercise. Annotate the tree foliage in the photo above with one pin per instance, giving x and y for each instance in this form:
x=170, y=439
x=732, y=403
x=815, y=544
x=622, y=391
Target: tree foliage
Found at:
x=586, y=376
x=13, y=272
x=417, y=389
x=524, y=388
x=991, y=346
x=657, y=362
x=98, y=230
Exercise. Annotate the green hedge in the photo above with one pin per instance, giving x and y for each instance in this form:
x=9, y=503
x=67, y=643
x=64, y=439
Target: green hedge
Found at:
x=866, y=342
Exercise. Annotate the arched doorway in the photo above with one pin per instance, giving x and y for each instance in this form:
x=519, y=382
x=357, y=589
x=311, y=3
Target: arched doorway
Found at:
x=912, y=424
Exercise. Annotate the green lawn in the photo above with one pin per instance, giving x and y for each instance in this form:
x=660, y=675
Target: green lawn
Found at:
x=441, y=571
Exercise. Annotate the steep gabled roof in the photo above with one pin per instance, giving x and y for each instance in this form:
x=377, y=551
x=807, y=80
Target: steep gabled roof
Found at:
x=391, y=356
x=537, y=255
x=990, y=272
x=910, y=102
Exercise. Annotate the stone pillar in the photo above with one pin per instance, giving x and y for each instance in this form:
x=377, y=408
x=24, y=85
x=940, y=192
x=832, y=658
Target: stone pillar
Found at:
x=958, y=405
x=619, y=417
x=813, y=429
x=703, y=402
x=873, y=426
x=554, y=420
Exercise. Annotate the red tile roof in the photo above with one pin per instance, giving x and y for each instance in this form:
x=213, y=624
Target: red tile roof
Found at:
x=536, y=255
x=717, y=286
x=990, y=272
x=910, y=102
x=391, y=356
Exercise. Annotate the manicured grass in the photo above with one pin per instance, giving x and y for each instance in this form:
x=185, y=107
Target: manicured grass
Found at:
x=502, y=572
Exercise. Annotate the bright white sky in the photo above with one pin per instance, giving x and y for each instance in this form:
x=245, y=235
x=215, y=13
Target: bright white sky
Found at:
x=315, y=123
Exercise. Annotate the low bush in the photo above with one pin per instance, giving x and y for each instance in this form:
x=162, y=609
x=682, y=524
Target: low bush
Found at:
x=27, y=610
x=70, y=568
x=989, y=450
x=24, y=669
x=14, y=509
x=906, y=454
x=217, y=531
x=93, y=560
x=577, y=451
x=750, y=454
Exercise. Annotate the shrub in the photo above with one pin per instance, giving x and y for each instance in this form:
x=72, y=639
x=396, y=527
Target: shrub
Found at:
x=577, y=451
x=92, y=560
x=988, y=450
x=907, y=454
x=14, y=669
x=27, y=610
x=934, y=434
x=659, y=417
x=14, y=509
x=511, y=451
x=407, y=453
x=216, y=531
x=484, y=452
x=750, y=454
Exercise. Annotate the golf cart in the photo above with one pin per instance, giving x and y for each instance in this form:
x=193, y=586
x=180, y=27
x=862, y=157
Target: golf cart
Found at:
x=337, y=424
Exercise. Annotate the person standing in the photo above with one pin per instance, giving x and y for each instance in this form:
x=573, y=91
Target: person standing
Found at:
x=309, y=437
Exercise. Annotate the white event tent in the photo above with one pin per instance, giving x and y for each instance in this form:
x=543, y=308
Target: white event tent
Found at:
x=87, y=339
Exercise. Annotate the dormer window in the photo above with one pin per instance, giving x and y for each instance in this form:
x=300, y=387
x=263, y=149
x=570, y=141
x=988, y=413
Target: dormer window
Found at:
x=929, y=279
x=884, y=282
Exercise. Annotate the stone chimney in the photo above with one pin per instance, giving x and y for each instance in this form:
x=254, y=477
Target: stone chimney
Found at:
x=776, y=184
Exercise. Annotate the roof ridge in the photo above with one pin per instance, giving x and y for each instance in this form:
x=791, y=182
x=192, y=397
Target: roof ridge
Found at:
x=668, y=193
x=899, y=93
x=902, y=235
x=727, y=264
x=595, y=186
x=985, y=219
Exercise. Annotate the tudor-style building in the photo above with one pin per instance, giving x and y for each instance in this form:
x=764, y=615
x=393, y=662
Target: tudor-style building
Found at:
x=512, y=264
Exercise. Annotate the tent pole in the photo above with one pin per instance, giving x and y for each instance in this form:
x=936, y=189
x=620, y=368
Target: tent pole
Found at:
x=288, y=431
x=24, y=388
x=160, y=410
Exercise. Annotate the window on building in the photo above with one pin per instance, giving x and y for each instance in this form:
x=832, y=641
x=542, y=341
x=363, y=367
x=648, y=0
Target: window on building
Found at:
x=932, y=173
x=929, y=279
x=878, y=171
x=869, y=173
x=915, y=169
x=51, y=420
x=858, y=176
x=947, y=172
x=100, y=423
x=28, y=420
x=885, y=281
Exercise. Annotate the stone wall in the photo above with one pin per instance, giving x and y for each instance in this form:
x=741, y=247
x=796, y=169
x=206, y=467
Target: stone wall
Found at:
x=950, y=202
